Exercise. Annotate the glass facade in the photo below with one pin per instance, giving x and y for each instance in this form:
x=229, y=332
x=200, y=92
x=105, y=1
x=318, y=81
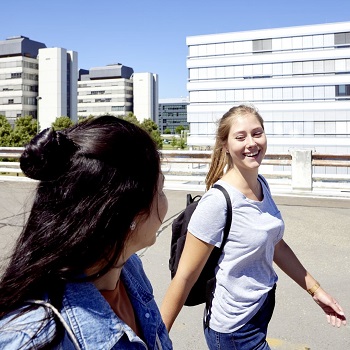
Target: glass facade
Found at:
x=172, y=113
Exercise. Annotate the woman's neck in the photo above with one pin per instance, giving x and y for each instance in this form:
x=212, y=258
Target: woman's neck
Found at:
x=246, y=183
x=109, y=280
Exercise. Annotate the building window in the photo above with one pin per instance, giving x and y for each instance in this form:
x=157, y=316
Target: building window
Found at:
x=342, y=39
x=262, y=46
x=10, y=101
x=16, y=75
x=117, y=108
x=342, y=90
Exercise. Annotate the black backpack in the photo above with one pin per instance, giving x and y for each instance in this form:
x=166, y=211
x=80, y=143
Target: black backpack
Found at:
x=202, y=290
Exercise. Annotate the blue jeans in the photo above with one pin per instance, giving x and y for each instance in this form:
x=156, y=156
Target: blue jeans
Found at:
x=252, y=336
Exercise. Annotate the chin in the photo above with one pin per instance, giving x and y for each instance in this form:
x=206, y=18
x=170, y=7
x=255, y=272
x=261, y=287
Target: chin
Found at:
x=154, y=240
x=151, y=241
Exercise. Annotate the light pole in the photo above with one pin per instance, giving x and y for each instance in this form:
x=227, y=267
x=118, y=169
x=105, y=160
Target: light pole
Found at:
x=38, y=98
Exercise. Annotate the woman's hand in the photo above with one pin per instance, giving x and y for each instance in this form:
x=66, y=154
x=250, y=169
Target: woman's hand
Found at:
x=334, y=312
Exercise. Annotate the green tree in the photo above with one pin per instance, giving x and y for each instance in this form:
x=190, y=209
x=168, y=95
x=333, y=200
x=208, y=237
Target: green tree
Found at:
x=82, y=119
x=182, y=143
x=152, y=128
x=24, y=130
x=62, y=123
x=167, y=131
x=131, y=117
x=149, y=125
x=173, y=142
x=179, y=128
x=5, y=132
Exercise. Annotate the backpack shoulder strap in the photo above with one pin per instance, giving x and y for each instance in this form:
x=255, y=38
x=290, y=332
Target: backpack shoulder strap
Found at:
x=263, y=180
x=59, y=316
x=229, y=214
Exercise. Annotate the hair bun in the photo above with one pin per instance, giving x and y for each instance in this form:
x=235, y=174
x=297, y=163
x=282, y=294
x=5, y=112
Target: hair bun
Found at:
x=47, y=155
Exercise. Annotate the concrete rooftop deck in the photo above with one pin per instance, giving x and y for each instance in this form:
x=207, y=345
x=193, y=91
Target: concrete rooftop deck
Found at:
x=317, y=228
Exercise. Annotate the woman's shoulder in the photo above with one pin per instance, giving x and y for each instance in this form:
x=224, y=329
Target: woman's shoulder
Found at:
x=133, y=270
x=134, y=263
x=215, y=196
x=25, y=329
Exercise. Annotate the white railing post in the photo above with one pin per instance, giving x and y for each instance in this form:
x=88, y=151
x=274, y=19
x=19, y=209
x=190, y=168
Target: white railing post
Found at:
x=301, y=170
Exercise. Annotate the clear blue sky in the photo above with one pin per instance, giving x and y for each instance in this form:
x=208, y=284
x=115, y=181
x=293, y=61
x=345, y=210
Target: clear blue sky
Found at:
x=150, y=35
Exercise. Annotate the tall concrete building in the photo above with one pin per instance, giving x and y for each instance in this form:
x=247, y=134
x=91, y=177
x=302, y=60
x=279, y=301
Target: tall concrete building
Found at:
x=145, y=96
x=37, y=81
x=58, y=76
x=297, y=77
x=107, y=89
x=172, y=113
x=115, y=89
x=19, y=72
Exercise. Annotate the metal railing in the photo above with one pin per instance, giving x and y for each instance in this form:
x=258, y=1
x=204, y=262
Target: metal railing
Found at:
x=9, y=157
x=299, y=169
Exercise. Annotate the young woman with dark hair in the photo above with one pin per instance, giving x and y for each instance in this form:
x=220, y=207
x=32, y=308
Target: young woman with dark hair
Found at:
x=74, y=280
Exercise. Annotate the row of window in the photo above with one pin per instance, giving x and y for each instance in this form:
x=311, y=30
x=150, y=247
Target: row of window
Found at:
x=96, y=110
x=308, y=129
x=105, y=92
x=19, y=63
x=173, y=121
x=296, y=128
x=126, y=99
x=19, y=87
x=173, y=115
x=306, y=93
x=265, y=45
x=25, y=100
x=12, y=115
x=269, y=70
x=307, y=42
x=92, y=84
x=19, y=75
x=172, y=107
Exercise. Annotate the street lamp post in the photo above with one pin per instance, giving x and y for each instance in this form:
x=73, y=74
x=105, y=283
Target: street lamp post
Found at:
x=38, y=98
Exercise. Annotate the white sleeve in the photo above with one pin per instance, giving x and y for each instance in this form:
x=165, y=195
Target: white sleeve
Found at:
x=208, y=220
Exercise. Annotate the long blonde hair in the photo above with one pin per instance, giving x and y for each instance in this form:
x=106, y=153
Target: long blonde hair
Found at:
x=220, y=159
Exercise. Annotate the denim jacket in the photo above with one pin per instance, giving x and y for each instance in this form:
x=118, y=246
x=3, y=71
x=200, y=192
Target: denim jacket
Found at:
x=92, y=320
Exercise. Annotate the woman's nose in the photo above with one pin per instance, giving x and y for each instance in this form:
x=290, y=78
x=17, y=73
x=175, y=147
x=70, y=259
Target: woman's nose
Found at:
x=250, y=141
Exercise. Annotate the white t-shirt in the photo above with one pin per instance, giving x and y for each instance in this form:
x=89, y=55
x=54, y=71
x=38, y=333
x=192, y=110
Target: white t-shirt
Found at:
x=245, y=273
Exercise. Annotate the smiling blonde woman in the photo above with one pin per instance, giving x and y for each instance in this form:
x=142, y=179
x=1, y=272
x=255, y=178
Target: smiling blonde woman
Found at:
x=244, y=295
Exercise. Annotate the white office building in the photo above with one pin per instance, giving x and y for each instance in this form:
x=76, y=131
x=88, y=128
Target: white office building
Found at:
x=146, y=96
x=19, y=77
x=105, y=90
x=297, y=77
x=37, y=81
x=115, y=89
x=58, y=75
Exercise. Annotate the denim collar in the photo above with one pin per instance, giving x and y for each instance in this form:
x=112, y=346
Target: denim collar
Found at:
x=92, y=319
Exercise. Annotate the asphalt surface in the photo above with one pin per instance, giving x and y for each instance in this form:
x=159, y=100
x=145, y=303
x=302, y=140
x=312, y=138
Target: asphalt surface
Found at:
x=317, y=229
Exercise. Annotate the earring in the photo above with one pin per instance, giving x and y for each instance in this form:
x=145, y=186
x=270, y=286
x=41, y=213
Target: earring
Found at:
x=133, y=226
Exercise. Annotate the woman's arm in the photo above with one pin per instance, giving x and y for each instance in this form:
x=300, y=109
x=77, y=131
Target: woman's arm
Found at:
x=287, y=261
x=194, y=256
